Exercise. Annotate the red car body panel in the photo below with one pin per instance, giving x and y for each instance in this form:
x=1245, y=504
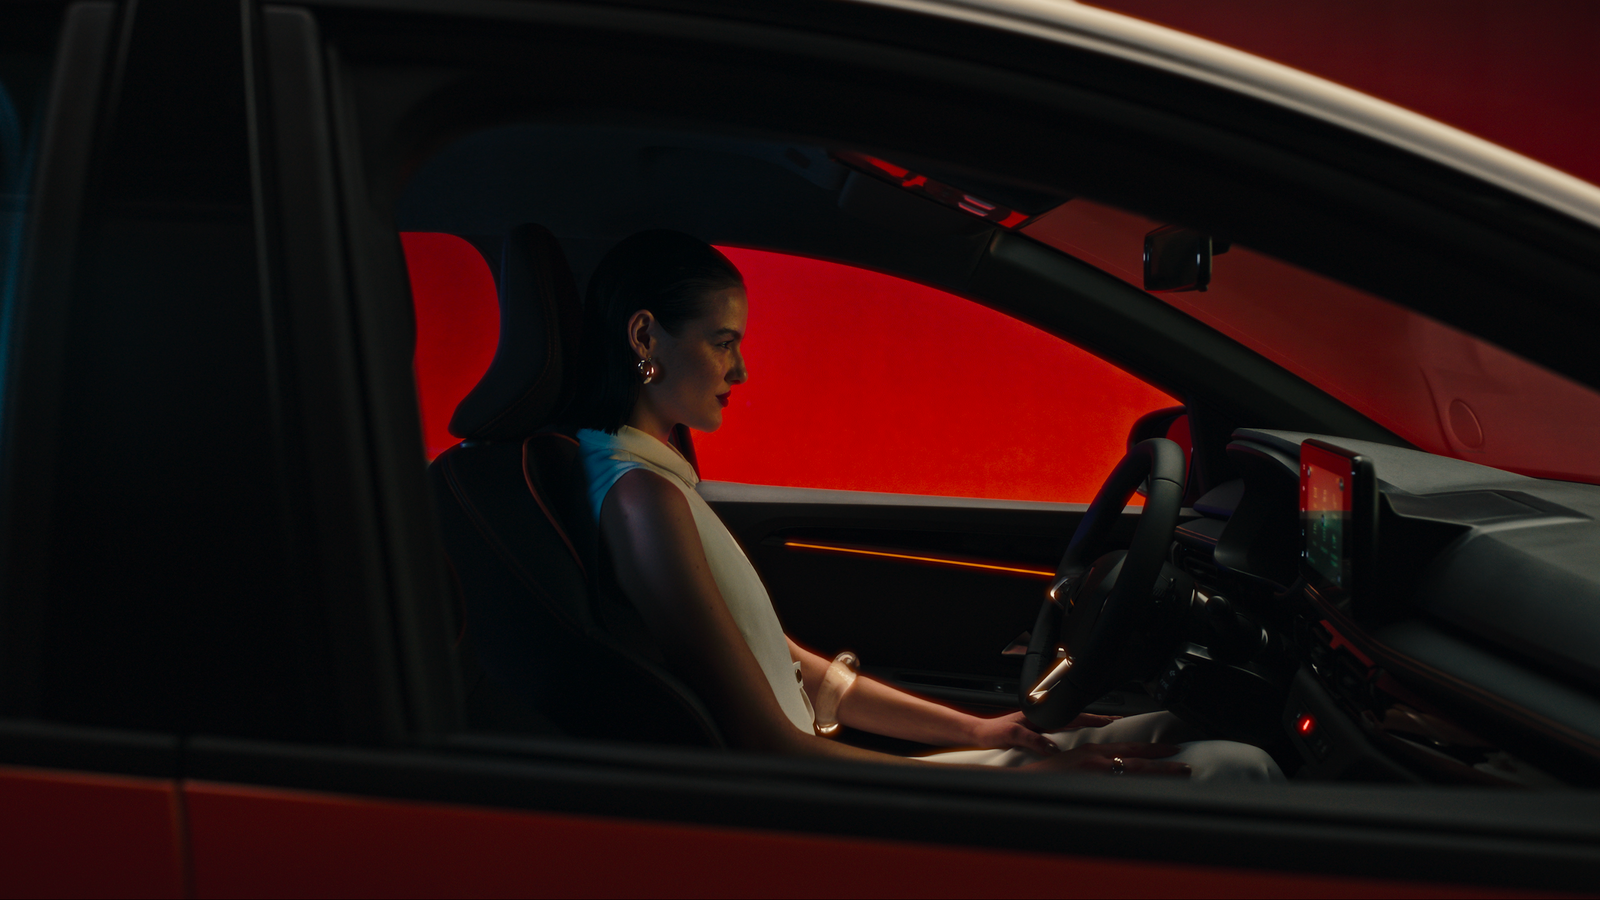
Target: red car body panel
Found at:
x=76, y=834
x=267, y=842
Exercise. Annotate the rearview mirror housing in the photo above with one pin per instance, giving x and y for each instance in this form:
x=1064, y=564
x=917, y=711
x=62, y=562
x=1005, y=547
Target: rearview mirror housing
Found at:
x=1178, y=259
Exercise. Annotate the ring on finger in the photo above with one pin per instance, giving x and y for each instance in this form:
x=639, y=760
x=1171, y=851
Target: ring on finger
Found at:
x=1118, y=765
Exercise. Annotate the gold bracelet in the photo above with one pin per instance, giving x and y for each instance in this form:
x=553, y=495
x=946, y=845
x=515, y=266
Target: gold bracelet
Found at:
x=836, y=682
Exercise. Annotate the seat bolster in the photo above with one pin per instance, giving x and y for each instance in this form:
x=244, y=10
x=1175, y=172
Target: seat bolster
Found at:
x=530, y=611
x=554, y=473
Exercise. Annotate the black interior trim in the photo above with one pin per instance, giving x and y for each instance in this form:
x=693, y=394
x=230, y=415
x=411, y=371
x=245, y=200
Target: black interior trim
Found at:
x=50, y=745
x=1510, y=701
x=323, y=390
x=414, y=578
x=48, y=264
x=1132, y=329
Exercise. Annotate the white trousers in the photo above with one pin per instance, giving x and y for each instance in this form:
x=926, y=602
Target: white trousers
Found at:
x=1222, y=761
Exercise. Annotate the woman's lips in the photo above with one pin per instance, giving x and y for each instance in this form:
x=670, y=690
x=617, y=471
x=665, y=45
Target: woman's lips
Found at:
x=723, y=398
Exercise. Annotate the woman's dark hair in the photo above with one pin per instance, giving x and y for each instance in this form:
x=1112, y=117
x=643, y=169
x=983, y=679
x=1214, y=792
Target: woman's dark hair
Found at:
x=668, y=273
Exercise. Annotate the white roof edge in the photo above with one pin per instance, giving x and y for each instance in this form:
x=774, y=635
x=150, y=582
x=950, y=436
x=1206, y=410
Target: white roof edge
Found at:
x=1114, y=34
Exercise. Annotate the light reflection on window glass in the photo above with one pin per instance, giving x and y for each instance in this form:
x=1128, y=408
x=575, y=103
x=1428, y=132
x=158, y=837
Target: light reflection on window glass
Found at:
x=1442, y=389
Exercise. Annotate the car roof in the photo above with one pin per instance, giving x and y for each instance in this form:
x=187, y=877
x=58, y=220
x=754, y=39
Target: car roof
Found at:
x=1148, y=44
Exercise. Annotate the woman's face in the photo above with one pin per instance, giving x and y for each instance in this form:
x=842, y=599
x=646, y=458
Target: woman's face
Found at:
x=698, y=367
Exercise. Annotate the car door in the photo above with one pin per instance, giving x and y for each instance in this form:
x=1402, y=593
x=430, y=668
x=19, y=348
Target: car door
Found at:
x=89, y=808
x=165, y=582
x=412, y=102
x=226, y=608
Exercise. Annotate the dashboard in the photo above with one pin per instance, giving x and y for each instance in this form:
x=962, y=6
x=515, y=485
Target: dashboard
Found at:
x=1376, y=613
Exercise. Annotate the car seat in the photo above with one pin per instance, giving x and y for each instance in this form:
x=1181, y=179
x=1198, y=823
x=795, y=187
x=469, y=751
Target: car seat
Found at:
x=541, y=621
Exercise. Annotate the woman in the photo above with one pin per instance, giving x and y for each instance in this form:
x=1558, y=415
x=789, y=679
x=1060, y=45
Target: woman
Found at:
x=662, y=328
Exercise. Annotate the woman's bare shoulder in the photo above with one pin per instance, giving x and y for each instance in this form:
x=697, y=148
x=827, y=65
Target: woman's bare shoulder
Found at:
x=649, y=530
x=645, y=490
x=644, y=504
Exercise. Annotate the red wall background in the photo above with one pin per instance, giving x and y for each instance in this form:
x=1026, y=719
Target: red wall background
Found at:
x=858, y=381
x=458, y=323
x=861, y=381
x=1521, y=73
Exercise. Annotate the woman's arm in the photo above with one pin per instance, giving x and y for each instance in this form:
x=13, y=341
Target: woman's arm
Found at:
x=873, y=706
x=661, y=565
x=650, y=532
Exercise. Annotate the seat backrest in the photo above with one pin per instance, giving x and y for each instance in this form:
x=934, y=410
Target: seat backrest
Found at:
x=513, y=506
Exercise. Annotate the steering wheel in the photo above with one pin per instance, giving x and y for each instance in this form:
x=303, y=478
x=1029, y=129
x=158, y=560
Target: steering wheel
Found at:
x=1083, y=642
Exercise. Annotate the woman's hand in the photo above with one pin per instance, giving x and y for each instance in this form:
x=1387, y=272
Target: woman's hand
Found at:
x=1014, y=730
x=1115, y=759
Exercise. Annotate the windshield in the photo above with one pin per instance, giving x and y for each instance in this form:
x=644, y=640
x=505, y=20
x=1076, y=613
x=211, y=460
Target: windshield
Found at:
x=1443, y=390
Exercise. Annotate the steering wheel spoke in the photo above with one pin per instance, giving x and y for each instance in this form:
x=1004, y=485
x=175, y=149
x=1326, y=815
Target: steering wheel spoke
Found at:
x=1041, y=691
x=1063, y=587
x=1084, y=639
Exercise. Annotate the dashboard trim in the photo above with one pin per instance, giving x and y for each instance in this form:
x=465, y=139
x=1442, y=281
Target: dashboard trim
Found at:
x=1398, y=663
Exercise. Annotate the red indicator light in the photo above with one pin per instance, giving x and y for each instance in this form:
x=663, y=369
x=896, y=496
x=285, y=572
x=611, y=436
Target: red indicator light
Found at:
x=977, y=207
x=937, y=191
x=889, y=167
x=1305, y=725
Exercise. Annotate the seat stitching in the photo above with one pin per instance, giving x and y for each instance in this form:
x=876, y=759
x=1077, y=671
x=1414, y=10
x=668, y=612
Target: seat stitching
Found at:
x=554, y=523
x=460, y=596
x=506, y=556
x=708, y=729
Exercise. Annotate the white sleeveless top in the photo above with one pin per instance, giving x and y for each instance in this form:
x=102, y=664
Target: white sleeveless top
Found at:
x=606, y=457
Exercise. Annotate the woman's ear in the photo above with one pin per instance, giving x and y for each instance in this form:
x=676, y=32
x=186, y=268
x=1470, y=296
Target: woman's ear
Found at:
x=639, y=337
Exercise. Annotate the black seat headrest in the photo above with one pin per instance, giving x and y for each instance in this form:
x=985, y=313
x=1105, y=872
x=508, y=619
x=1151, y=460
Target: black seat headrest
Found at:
x=540, y=314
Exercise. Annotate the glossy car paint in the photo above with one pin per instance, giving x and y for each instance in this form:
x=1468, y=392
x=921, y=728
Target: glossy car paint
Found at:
x=1079, y=25
x=1518, y=75
x=250, y=842
x=79, y=834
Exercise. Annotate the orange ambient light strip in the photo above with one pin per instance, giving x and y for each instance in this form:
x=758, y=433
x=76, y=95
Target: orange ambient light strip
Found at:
x=833, y=548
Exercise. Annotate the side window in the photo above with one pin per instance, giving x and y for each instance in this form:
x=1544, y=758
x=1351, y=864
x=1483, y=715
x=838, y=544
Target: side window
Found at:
x=863, y=381
x=858, y=381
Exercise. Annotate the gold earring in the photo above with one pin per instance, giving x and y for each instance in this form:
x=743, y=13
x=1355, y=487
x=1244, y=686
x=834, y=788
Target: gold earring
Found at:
x=648, y=370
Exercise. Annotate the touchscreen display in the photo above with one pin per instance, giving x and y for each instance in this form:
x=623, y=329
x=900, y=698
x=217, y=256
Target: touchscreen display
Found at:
x=1327, y=487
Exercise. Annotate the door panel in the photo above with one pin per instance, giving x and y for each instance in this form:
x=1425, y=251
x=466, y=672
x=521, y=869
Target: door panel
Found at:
x=836, y=564
x=895, y=611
